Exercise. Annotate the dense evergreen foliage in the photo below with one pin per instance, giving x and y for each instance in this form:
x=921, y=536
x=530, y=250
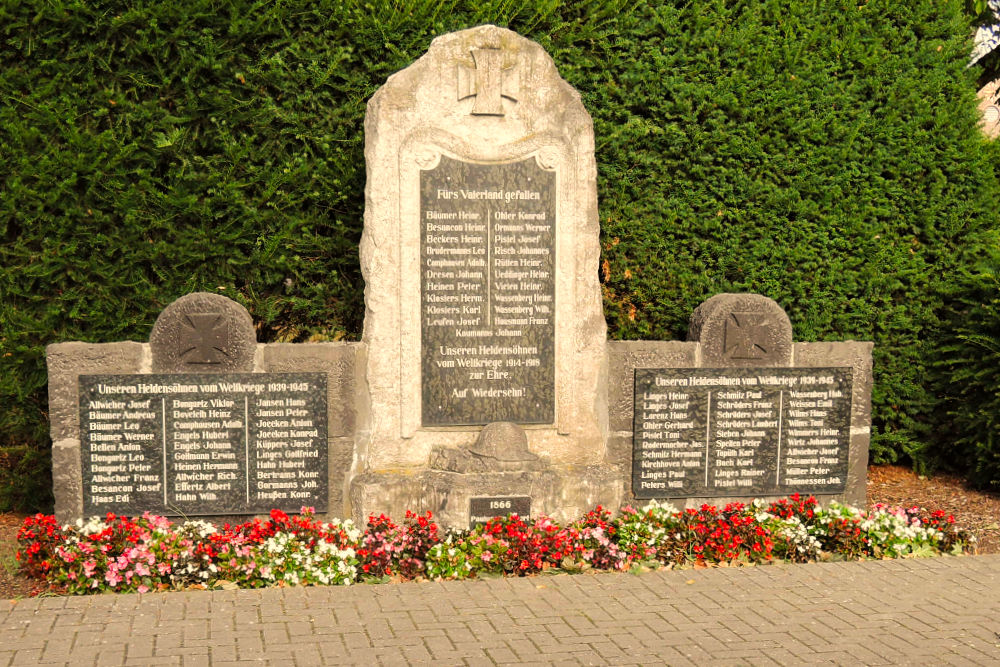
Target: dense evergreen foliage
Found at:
x=968, y=369
x=824, y=154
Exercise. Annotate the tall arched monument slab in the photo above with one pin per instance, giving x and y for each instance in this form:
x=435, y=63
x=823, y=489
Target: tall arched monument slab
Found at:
x=480, y=255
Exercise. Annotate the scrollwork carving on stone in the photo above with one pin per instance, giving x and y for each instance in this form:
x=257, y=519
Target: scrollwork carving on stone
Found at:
x=548, y=157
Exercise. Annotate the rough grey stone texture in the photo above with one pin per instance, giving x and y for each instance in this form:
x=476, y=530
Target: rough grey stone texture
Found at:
x=67, y=480
x=741, y=330
x=857, y=355
x=203, y=333
x=561, y=492
x=425, y=112
x=66, y=362
x=504, y=442
x=460, y=459
x=624, y=356
x=337, y=360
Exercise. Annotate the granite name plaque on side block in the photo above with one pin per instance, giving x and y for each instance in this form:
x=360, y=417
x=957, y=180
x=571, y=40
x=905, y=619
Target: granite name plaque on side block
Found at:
x=740, y=431
x=487, y=270
x=482, y=509
x=203, y=444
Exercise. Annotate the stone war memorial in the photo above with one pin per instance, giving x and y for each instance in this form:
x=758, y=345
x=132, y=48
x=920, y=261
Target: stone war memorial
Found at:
x=484, y=383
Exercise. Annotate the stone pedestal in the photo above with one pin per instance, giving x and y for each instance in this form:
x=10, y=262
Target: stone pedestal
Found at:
x=480, y=255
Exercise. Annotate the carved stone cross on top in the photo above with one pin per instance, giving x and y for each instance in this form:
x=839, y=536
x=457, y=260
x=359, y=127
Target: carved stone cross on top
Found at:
x=204, y=338
x=488, y=82
x=746, y=335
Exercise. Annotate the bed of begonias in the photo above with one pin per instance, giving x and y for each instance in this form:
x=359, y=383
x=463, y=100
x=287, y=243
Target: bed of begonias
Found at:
x=150, y=553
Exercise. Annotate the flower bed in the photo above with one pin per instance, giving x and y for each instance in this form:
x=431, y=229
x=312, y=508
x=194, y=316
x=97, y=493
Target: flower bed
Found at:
x=149, y=553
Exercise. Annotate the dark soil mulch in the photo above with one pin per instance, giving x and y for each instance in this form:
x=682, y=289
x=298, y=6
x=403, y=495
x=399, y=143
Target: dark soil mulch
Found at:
x=976, y=511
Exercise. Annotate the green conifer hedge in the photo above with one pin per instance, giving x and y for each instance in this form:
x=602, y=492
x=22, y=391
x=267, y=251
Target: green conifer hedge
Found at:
x=822, y=153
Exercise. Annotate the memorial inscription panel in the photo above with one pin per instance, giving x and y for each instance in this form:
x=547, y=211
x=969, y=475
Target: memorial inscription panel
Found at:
x=740, y=431
x=483, y=509
x=203, y=444
x=487, y=278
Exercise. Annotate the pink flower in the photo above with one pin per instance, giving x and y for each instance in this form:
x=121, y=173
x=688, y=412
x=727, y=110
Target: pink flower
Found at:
x=143, y=588
x=112, y=578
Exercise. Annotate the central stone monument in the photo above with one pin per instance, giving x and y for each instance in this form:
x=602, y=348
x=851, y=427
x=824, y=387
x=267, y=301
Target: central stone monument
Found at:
x=484, y=326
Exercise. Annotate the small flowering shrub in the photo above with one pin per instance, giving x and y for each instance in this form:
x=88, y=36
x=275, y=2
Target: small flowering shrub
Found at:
x=456, y=557
x=291, y=550
x=730, y=534
x=388, y=549
x=594, y=539
x=149, y=553
x=511, y=545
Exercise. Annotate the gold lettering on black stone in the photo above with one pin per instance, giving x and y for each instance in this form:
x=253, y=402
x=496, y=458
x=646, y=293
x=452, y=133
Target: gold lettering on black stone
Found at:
x=197, y=444
x=740, y=431
x=487, y=264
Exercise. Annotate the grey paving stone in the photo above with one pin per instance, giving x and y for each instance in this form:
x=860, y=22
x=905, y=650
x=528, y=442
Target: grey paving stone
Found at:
x=892, y=612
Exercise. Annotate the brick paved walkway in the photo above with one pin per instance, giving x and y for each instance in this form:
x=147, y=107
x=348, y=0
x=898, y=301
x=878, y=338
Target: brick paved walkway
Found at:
x=935, y=611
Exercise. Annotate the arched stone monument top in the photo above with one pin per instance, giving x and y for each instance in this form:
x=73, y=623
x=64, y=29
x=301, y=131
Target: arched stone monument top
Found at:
x=203, y=333
x=742, y=330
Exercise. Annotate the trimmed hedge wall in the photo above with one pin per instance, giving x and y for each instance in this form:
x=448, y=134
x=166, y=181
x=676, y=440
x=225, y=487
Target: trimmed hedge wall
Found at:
x=824, y=154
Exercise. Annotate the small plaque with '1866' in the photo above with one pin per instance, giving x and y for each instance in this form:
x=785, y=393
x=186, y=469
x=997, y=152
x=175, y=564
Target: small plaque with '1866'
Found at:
x=203, y=444
x=487, y=285
x=740, y=431
x=483, y=509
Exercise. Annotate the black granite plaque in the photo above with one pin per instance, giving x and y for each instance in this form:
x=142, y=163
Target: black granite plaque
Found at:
x=487, y=278
x=203, y=444
x=740, y=431
x=483, y=509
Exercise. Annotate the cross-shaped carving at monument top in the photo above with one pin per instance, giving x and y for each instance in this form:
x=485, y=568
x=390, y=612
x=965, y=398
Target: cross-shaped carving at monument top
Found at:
x=488, y=82
x=203, y=338
x=746, y=335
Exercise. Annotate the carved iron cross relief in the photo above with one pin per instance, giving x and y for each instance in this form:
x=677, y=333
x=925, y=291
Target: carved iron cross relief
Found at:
x=203, y=338
x=746, y=335
x=488, y=82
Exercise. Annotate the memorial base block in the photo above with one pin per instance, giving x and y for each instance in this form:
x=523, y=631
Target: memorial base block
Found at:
x=563, y=493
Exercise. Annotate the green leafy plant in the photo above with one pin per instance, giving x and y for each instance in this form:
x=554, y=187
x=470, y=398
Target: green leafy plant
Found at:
x=825, y=155
x=969, y=379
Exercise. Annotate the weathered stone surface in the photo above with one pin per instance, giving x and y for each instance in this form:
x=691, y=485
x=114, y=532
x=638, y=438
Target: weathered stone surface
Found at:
x=484, y=96
x=203, y=333
x=503, y=441
x=338, y=360
x=741, y=330
x=66, y=362
x=624, y=356
x=341, y=453
x=857, y=355
x=461, y=459
x=67, y=480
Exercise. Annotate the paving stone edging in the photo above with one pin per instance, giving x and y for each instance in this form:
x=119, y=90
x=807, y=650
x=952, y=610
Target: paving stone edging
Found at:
x=928, y=611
